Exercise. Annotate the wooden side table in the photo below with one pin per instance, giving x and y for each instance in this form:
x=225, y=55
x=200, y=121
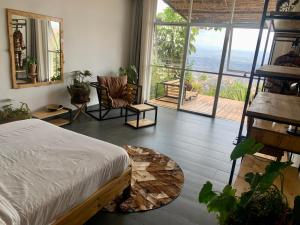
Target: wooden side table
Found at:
x=138, y=109
x=54, y=116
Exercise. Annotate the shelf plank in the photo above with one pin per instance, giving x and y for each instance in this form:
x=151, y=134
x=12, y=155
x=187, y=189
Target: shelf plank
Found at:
x=142, y=123
x=274, y=135
x=257, y=164
x=278, y=72
x=141, y=107
x=59, y=122
x=275, y=107
x=44, y=114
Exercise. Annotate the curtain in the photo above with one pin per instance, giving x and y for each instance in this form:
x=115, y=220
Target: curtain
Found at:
x=32, y=36
x=136, y=34
x=42, y=50
x=149, y=11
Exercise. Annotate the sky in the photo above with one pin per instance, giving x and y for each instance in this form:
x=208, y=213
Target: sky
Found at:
x=243, y=39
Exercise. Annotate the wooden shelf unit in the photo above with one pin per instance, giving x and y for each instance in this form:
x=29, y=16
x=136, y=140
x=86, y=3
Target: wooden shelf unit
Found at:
x=270, y=114
x=53, y=116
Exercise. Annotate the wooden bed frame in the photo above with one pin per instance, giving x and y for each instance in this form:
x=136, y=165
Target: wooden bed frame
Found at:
x=84, y=211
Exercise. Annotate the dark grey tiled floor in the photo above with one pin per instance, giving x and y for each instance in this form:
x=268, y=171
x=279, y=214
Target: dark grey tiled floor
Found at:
x=200, y=145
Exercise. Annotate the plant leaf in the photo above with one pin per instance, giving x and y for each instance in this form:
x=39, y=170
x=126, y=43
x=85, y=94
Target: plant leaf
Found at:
x=248, y=146
x=253, y=179
x=272, y=171
x=245, y=198
x=206, y=194
x=296, y=210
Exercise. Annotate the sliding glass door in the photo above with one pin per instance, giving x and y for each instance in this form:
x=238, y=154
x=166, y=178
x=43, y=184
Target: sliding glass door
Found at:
x=202, y=69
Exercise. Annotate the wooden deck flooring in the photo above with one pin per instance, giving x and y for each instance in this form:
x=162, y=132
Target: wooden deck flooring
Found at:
x=227, y=108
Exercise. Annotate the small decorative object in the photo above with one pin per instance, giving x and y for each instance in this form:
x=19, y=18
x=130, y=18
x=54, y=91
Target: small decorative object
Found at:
x=80, y=89
x=31, y=67
x=54, y=107
x=263, y=204
x=19, y=47
x=9, y=113
x=131, y=73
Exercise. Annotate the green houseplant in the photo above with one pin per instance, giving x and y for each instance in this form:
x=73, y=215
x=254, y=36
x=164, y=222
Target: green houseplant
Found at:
x=80, y=89
x=31, y=65
x=263, y=204
x=130, y=72
x=8, y=113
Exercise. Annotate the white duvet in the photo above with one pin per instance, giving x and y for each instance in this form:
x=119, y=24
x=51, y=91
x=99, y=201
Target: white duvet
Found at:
x=46, y=170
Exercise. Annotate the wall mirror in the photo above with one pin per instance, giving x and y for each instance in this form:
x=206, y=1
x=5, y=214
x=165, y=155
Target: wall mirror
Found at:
x=36, y=49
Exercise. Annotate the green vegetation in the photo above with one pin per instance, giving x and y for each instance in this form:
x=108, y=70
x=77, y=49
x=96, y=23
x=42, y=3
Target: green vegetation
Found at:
x=263, y=204
x=130, y=72
x=168, y=51
x=8, y=113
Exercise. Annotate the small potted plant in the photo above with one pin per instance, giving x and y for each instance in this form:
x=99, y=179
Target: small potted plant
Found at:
x=9, y=113
x=80, y=89
x=130, y=72
x=263, y=204
x=31, y=68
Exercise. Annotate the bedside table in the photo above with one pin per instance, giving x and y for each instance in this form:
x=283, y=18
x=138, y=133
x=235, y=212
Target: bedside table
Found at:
x=54, y=116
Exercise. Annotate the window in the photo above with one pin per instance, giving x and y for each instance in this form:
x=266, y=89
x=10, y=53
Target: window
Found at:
x=242, y=49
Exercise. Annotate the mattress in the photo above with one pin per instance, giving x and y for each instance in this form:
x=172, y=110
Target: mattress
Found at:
x=46, y=170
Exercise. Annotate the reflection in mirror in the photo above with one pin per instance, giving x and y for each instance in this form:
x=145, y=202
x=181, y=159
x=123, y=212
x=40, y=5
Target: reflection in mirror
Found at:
x=36, y=49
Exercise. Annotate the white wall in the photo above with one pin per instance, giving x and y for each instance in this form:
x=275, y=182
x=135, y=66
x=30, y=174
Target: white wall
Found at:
x=96, y=37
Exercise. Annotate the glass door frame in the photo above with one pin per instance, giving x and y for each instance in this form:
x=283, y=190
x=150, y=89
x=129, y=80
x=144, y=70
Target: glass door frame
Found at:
x=226, y=49
x=221, y=67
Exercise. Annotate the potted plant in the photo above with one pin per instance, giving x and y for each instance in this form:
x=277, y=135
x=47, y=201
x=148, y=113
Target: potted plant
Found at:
x=80, y=89
x=31, y=65
x=31, y=68
x=130, y=72
x=8, y=113
x=263, y=204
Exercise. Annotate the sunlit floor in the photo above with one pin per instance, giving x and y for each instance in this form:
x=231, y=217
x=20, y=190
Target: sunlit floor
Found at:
x=227, y=108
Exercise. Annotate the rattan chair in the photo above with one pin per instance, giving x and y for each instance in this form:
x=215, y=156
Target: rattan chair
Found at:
x=114, y=93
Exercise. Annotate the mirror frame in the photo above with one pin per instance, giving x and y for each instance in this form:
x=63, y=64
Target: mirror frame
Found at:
x=10, y=13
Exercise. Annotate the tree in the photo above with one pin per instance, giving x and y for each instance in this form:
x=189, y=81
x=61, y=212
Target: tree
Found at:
x=169, y=43
x=170, y=40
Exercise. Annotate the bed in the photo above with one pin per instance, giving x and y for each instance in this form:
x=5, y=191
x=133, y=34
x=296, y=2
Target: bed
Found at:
x=50, y=175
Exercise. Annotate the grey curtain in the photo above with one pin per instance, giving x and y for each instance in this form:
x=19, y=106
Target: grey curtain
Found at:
x=33, y=48
x=136, y=34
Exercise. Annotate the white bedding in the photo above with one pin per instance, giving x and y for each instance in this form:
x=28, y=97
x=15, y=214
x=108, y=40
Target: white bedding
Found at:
x=46, y=170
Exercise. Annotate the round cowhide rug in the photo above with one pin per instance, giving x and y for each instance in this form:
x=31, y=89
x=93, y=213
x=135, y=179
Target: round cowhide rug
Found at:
x=156, y=181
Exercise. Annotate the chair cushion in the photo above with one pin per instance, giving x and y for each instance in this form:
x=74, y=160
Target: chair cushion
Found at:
x=116, y=85
x=119, y=103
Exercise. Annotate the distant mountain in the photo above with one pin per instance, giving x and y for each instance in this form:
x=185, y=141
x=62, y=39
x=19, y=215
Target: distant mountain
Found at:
x=209, y=58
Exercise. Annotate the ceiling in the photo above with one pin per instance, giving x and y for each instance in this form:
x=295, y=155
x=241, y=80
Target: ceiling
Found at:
x=219, y=11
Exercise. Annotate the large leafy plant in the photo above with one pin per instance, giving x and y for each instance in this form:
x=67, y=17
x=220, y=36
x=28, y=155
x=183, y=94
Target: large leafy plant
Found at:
x=263, y=204
x=79, y=79
x=130, y=72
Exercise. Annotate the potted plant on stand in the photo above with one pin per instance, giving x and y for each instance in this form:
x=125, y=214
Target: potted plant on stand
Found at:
x=263, y=204
x=80, y=89
x=31, y=67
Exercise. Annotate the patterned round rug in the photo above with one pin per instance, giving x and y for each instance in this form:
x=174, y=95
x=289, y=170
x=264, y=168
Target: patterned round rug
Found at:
x=156, y=181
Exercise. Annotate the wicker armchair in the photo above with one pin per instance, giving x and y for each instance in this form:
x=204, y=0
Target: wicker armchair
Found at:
x=113, y=93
